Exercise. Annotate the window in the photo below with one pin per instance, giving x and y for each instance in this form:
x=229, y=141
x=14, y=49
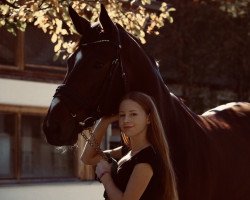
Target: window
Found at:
x=7, y=133
x=8, y=43
x=39, y=51
x=38, y=159
x=30, y=54
x=25, y=153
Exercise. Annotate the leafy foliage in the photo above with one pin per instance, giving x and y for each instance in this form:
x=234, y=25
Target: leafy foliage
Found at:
x=206, y=47
x=52, y=17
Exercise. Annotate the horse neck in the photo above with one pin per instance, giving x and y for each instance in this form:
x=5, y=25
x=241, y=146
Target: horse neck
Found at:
x=188, y=143
x=143, y=76
x=181, y=125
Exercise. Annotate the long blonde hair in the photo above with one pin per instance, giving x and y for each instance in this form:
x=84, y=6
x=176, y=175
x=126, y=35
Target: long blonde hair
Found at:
x=156, y=136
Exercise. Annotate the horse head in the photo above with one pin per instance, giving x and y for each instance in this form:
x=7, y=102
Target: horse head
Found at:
x=83, y=95
x=107, y=63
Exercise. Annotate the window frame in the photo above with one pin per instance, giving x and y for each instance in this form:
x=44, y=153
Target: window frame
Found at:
x=18, y=111
x=20, y=69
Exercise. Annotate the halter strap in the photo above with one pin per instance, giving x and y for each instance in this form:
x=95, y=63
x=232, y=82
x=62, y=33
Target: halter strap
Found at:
x=119, y=48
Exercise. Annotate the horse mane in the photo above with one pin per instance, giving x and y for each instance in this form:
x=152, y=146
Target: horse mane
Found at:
x=155, y=63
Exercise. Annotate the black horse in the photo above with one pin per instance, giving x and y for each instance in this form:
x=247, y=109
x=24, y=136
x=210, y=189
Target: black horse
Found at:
x=210, y=153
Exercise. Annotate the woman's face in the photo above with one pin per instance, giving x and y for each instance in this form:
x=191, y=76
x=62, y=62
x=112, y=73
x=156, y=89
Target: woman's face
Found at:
x=132, y=118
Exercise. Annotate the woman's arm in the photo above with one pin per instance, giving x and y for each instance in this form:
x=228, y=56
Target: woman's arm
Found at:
x=115, y=153
x=89, y=155
x=137, y=183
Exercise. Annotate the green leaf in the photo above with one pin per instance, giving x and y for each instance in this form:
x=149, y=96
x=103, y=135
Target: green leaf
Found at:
x=171, y=9
x=54, y=38
x=2, y=22
x=64, y=32
x=4, y=9
x=22, y=26
x=58, y=46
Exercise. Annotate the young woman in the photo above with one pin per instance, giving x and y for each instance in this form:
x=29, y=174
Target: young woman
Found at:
x=145, y=171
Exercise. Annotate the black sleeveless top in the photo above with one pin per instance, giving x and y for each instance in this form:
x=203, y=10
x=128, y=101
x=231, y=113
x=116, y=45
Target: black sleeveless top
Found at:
x=147, y=155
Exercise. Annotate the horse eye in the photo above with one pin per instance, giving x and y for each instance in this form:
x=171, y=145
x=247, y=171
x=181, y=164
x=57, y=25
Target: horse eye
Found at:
x=99, y=65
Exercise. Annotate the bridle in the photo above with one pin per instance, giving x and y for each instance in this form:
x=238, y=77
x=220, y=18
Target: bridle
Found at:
x=69, y=97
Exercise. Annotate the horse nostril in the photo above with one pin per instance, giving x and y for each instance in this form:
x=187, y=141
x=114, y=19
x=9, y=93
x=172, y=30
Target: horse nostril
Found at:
x=50, y=127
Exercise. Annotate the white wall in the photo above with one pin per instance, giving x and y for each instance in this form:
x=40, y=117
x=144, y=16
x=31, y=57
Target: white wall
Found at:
x=26, y=93
x=87, y=190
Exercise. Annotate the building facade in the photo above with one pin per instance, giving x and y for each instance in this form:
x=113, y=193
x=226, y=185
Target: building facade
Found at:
x=28, y=79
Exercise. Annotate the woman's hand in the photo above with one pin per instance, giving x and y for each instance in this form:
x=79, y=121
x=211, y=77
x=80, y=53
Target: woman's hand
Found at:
x=102, y=168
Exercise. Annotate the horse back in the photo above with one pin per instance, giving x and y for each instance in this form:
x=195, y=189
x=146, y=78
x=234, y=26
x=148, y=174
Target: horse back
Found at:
x=228, y=131
x=231, y=117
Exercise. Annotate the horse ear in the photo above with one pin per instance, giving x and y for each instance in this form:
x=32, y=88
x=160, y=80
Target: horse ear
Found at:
x=81, y=25
x=106, y=22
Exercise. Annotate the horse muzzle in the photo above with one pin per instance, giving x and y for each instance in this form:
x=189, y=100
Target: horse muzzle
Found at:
x=57, y=135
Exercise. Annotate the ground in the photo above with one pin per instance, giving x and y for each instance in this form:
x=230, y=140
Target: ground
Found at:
x=87, y=190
